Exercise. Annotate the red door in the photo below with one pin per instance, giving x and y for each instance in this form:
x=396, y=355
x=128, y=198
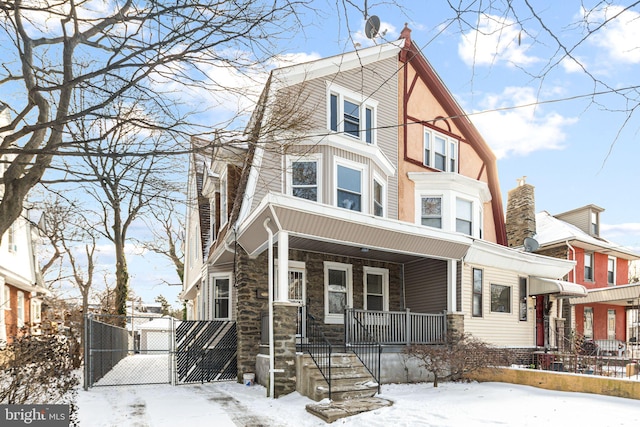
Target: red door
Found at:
x=540, y=320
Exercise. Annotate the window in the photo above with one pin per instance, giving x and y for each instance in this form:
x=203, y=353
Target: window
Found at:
x=223, y=201
x=440, y=151
x=337, y=291
x=500, y=299
x=611, y=324
x=352, y=114
x=464, y=216
x=477, y=293
x=7, y=298
x=20, y=316
x=304, y=180
x=36, y=309
x=523, y=298
x=611, y=271
x=212, y=221
x=376, y=289
x=432, y=211
x=221, y=298
x=595, y=229
x=588, y=266
x=349, y=191
x=378, y=198
x=588, y=322
x=11, y=238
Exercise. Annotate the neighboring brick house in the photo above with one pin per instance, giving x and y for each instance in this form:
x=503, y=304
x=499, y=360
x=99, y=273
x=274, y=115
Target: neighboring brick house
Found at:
x=20, y=292
x=602, y=267
x=384, y=199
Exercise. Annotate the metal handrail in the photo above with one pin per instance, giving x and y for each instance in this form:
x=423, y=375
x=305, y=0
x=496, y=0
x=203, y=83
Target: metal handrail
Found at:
x=367, y=349
x=319, y=348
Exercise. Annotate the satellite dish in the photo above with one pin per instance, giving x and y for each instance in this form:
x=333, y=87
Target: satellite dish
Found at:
x=530, y=244
x=372, y=26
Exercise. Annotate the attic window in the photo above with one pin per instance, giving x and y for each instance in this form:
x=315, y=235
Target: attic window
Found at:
x=440, y=151
x=595, y=224
x=351, y=114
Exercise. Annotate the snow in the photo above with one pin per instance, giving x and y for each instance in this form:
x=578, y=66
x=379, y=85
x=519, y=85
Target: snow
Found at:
x=227, y=404
x=451, y=404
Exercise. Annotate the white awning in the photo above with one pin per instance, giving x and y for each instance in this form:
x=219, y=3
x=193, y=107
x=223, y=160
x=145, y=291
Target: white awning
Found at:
x=625, y=295
x=539, y=286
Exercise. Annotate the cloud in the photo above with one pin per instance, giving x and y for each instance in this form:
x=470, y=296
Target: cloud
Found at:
x=621, y=229
x=519, y=131
x=496, y=39
x=619, y=37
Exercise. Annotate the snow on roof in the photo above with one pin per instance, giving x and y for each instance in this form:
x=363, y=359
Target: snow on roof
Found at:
x=551, y=230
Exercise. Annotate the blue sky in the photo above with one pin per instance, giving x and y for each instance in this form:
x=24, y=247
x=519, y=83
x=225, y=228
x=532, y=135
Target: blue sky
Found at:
x=575, y=149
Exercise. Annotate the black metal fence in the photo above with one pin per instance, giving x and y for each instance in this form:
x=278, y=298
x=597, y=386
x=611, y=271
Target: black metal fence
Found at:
x=126, y=350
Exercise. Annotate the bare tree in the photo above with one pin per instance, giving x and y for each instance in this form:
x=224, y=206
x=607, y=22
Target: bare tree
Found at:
x=130, y=51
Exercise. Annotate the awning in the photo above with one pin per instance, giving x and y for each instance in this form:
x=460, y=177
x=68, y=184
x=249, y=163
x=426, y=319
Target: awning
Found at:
x=625, y=295
x=540, y=286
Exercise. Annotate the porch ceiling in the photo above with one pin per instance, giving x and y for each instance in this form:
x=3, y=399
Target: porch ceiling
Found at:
x=321, y=228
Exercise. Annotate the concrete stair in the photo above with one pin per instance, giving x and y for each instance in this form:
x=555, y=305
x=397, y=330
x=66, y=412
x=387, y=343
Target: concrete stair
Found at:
x=349, y=379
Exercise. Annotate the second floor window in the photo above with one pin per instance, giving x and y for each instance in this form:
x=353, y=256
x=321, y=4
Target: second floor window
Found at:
x=464, y=216
x=304, y=180
x=440, y=151
x=432, y=211
x=588, y=266
x=378, y=201
x=611, y=271
x=349, y=188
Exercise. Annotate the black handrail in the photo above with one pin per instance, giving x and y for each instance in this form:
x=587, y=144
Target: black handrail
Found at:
x=367, y=349
x=318, y=347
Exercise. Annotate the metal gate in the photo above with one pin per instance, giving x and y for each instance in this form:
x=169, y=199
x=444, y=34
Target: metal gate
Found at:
x=130, y=350
x=206, y=351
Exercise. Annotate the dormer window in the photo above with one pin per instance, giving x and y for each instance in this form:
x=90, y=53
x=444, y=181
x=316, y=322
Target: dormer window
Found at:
x=595, y=224
x=440, y=151
x=351, y=114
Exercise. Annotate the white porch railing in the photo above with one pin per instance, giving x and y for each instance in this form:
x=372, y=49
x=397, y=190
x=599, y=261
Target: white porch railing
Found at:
x=395, y=327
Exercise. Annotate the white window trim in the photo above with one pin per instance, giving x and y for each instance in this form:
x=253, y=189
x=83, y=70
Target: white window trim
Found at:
x=316, y=157
x=364, y=182
x=293, y=266
x=223, y=200
x=6, y=292
x=442, y=209
x=449, y=210
x=212, y=281
x=611, y=258
x=212, y=221
x=359, y=99
x=448, y=142
x=20, y=316
x=383, y=182
x=385, y=285
x=348, y=268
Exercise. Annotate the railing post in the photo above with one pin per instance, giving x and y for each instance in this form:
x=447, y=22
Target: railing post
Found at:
x=407, y=326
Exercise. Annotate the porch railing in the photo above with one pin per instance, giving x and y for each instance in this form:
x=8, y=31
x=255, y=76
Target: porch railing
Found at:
x=367, y=348
x=318, y=347
x=395, y=327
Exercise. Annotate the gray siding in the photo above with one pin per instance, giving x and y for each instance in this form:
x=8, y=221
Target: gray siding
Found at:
x=426, y=286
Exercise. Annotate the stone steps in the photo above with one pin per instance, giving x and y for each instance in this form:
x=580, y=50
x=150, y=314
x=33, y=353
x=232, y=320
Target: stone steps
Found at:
x=349, y=379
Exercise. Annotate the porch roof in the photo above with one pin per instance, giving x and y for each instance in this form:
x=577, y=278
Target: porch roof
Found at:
x=540, y=286
x=624, y=295
x=324, y=228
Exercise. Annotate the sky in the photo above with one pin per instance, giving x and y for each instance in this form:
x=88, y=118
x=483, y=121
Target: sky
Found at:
x=230, y=404
x=531, y=99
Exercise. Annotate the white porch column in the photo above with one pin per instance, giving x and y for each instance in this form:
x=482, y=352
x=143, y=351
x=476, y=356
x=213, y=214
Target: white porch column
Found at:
x=452, y=296
x=283, y=266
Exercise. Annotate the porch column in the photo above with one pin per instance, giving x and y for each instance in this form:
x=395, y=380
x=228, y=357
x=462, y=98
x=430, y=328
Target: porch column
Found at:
x=452, y=297
x=285, y=315
x=283, y=266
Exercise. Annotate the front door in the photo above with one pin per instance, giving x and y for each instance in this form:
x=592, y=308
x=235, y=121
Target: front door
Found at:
x=540, y=320
x=297, y=294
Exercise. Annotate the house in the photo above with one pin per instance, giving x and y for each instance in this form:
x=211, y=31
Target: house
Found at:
x=20, y=282
x=371, y=203
x=606, y=313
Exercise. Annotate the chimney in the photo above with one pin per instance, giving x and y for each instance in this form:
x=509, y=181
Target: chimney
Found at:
x=521, y=213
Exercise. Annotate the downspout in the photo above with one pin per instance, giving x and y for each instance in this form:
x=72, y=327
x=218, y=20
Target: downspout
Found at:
x=270, y=285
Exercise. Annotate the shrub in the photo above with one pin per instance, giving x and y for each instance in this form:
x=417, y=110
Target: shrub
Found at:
x=38, y=370
x=459, y=356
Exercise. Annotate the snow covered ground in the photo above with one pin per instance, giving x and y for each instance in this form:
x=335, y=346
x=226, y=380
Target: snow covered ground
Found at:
x=451, y=404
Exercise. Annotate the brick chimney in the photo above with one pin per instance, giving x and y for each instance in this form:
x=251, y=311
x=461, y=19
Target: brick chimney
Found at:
x=521, y=213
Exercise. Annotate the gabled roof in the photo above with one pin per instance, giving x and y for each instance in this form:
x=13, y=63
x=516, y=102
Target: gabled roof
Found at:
x=412, y=54
x=552, y=231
